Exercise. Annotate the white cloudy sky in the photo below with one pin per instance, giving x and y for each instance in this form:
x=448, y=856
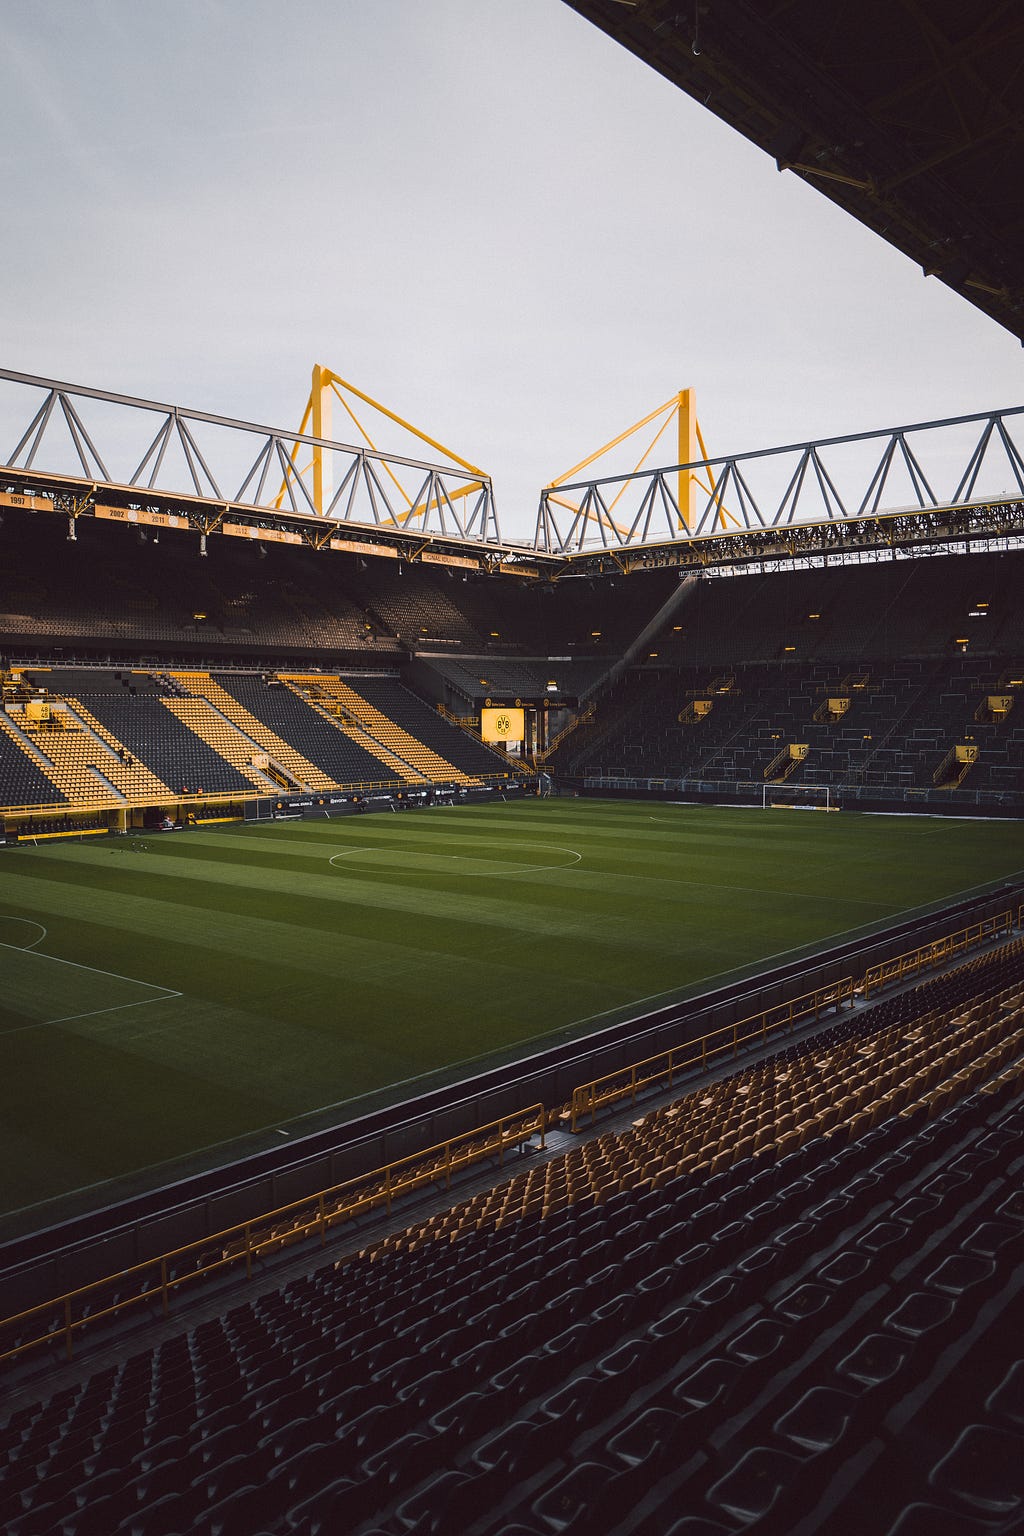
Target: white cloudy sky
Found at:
x=483, y=212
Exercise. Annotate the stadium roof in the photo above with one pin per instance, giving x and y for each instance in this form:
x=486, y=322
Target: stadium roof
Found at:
x=907, y=113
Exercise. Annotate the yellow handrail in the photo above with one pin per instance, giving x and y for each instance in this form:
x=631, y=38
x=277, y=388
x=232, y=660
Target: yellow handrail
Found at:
x=249, y=1240
x=584, y=718
x=587, y=1098
x=936, y=953
x=613, y=1087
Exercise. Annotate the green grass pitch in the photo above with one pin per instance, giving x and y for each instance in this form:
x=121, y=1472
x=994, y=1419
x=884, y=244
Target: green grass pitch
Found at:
x=165, y=996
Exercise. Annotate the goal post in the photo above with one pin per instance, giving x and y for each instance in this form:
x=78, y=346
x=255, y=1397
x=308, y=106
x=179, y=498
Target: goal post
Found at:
x=799, y=797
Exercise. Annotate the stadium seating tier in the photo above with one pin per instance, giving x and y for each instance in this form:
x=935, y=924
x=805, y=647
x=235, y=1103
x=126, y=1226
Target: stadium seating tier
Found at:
x=818, y=1334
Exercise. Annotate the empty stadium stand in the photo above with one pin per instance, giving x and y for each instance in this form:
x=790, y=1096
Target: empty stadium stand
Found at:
x=386, y=700
x=788, y=1301
x=913, y=651
x=116, y=590
x=310, y=747
x=146, y=737
x=24, y=777
x=112, y=591
x=152, y=733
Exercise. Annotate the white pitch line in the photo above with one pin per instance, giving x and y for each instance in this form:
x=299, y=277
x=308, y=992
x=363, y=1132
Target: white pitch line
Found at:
x=79, y=966
x=67, y=1018
x=114, y=1008
x=30, y=923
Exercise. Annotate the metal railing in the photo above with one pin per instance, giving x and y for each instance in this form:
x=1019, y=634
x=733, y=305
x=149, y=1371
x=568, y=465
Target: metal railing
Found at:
x=744, y=792
x=465, y=722
x=661, y=1070
x=931, y=956
x=153, y=1281
x=585, y=717
x=148, y=802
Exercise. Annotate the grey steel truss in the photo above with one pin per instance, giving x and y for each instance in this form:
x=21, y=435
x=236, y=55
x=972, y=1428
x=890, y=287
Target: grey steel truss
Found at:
x=910, y=469
x=143, y=446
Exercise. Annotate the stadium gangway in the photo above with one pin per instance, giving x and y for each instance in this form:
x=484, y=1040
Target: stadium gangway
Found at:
x=154, y=1281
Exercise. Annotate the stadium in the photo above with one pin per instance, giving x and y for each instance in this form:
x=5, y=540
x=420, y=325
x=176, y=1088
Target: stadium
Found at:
x=525, y=1035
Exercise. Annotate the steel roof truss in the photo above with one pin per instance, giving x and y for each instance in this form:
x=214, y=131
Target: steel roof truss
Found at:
x=37, y=425
x=747, y=500
x=1012, y=454
x=917, y=475
x=157, y=447
x=670, y=507
x=791, y=495
x=374, y=489
x=645, y=509
x=713, y=505
x=190, y=447
x=260, y=465
x=827, y=487
x=291, y=477
x=79, y=435
x=350, y=483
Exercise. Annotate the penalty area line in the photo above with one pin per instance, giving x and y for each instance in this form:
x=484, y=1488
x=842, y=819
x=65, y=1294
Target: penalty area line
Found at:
x=67, y=1018
x=142, y=1002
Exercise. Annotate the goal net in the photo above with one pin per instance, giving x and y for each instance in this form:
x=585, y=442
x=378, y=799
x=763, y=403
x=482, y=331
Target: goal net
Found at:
x=800, y=797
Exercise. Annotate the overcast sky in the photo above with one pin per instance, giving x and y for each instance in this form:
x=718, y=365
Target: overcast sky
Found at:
x=482, y=212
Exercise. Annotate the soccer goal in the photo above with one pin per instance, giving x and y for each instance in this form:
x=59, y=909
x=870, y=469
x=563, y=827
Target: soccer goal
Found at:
x=799, y=797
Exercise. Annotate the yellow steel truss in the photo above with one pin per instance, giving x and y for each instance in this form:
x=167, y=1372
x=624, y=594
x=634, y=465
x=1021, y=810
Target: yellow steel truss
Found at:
x=691, y=449
x=317, y=420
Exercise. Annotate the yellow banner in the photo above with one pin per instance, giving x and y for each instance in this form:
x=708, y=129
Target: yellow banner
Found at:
x=31, y=503
x=502, y=724
x=265, y=535
x=428, y=557
x=140, y=515
x=354, y=546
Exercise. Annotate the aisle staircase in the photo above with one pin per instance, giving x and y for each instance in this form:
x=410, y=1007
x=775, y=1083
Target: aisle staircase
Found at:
x=312, y=691
x=384, y=731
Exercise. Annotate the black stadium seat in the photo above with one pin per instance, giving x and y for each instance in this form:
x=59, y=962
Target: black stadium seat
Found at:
x=617, y=1365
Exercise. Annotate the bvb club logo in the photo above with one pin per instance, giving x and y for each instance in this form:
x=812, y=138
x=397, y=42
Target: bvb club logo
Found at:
x=504, y=725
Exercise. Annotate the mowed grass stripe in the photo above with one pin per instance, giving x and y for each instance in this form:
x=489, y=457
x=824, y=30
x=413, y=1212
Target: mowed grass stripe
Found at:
x=584, y=939
x=309, y=984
